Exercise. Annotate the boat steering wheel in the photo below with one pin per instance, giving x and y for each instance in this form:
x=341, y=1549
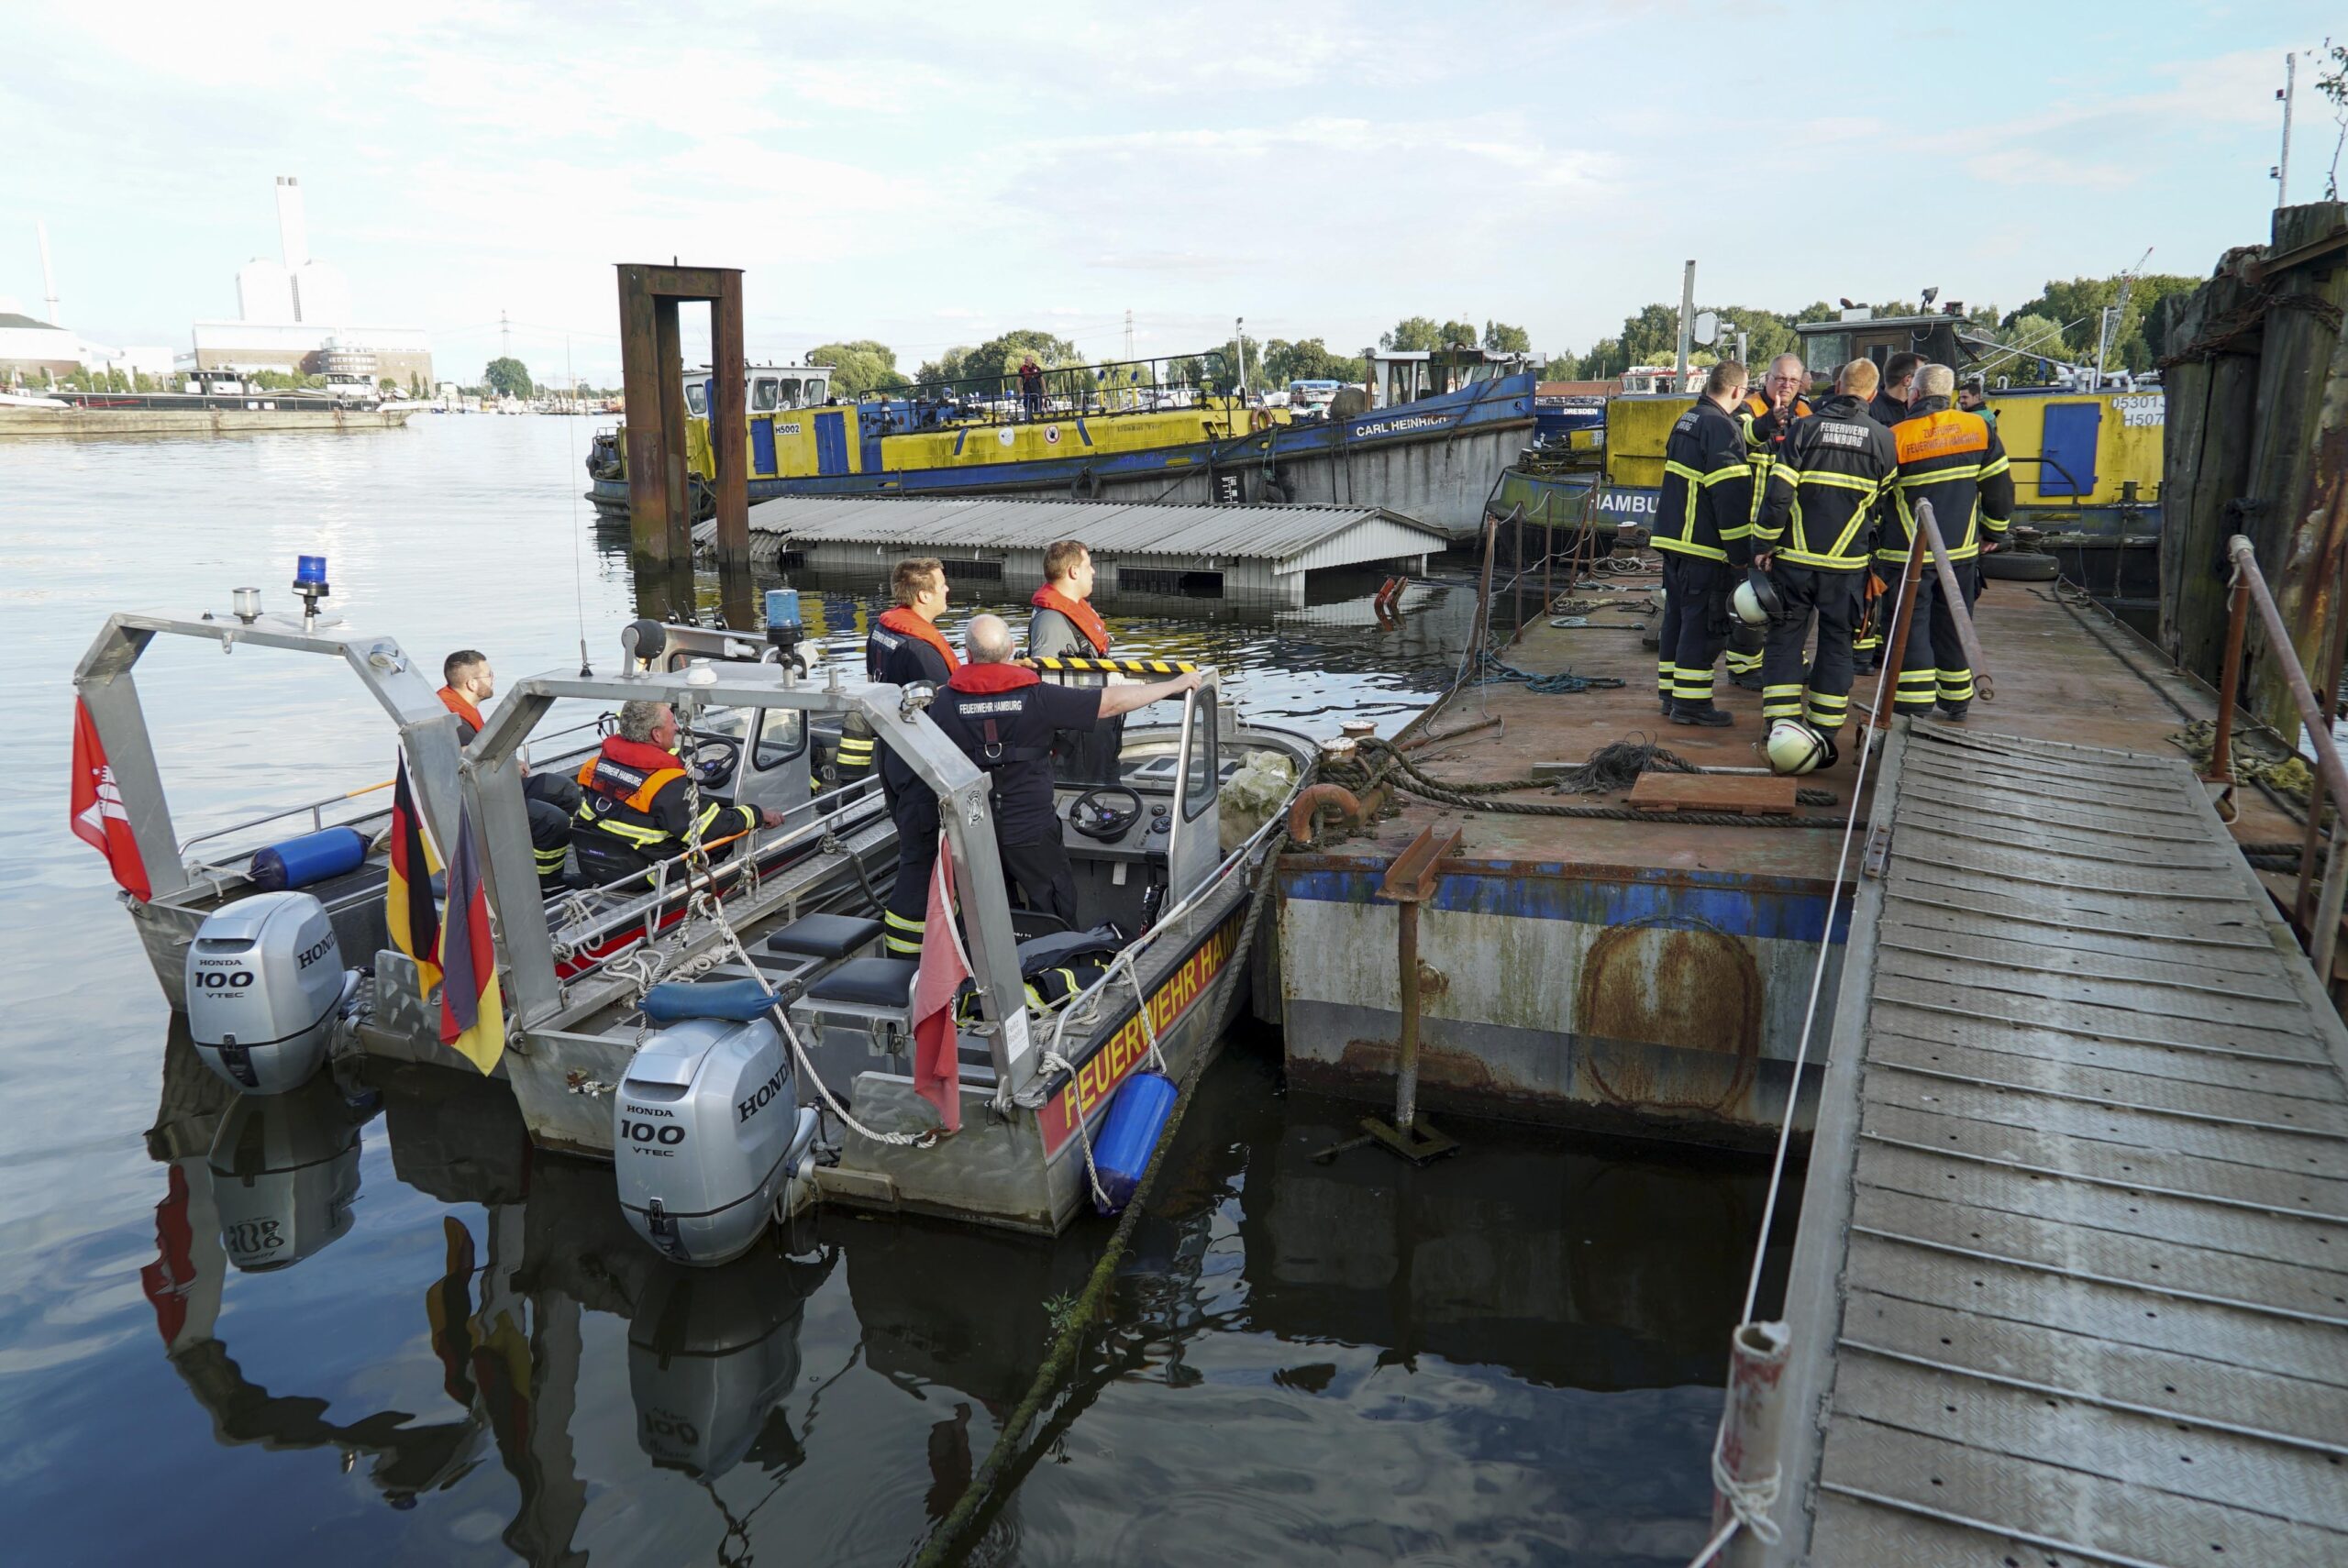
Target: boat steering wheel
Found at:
x=1096, y=818
x=713, y=759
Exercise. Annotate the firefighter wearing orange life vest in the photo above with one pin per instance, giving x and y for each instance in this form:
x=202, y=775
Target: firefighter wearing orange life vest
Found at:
x=1066, y=625
x=550, y=797
x=634, y=804
x=1951, y=457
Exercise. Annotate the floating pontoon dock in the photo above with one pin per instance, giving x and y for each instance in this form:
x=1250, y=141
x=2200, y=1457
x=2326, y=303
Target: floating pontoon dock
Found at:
x=1261, y=553
x=2071, y=1284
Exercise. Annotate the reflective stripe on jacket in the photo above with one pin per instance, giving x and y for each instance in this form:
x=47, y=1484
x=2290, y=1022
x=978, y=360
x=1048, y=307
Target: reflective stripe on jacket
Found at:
x=1825, y=486
x=1954, y=461
x=1765, y=431
x=1706, y=506
x=644, y=808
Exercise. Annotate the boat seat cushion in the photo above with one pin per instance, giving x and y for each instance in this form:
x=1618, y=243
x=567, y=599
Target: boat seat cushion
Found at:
x=825, y=936
x=867, y=982
x=672, y=1001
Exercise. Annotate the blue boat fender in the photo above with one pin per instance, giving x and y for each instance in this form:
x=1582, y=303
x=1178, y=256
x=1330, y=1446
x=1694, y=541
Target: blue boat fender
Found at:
x=1129, y=1135
x=313, y=857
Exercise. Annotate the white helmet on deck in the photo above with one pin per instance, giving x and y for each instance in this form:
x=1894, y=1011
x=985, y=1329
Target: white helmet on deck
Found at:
x=1794, y=748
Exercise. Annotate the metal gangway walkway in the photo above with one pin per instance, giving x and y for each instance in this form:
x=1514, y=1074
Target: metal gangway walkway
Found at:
x=2071, y=1281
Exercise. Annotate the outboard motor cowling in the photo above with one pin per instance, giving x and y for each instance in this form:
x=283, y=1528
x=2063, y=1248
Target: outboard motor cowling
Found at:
x=265, y=986
x=706, y=1126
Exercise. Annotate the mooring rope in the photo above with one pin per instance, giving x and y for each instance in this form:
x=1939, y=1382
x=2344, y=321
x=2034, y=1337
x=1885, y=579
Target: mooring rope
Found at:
x=1479, y=796
x=1750, y=1502
x=944, y=1541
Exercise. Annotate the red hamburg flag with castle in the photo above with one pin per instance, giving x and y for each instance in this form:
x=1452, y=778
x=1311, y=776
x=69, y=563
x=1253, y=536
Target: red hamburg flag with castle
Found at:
x=98, y=817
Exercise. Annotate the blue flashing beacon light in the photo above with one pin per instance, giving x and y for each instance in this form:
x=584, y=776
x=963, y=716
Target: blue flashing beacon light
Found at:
x=310, y=585
x=784, y=628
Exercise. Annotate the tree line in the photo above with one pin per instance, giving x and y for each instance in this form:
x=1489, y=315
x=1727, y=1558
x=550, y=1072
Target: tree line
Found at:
x=2062, y=322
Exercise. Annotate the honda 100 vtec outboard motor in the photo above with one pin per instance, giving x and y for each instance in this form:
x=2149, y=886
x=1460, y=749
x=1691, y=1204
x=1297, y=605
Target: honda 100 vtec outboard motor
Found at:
x=265, y=986
x=706, y=1127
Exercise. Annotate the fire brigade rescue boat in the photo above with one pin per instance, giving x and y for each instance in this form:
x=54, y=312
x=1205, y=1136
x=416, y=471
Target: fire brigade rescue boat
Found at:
x=680, y=1018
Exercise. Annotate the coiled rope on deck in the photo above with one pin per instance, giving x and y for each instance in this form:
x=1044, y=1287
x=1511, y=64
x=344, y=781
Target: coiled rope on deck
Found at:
x=1388, y=765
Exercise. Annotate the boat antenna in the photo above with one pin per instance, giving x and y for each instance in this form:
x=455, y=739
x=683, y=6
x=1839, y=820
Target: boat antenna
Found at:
x=577, y=580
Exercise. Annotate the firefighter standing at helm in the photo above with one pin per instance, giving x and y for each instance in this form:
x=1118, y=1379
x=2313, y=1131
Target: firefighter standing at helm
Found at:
x=1703, y=527
x=1066, y=625
x=906, y=648
x=1813, y=540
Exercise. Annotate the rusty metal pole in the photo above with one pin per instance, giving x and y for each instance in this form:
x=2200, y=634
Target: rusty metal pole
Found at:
x=644, y=389
x=2331, y=771
x=1517, y=563
x=1406, y=1065
x=1960, y=614
x=676, y=470
x=1409, y=881
x=729, y=424
x=2327, y=699
x=1895, y=647
x=1749, y=1428
x=2221, y=744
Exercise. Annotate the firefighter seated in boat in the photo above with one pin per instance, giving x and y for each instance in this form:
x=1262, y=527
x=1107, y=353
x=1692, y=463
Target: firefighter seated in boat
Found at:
x=1003, y=715
x=636, y=803
x=467, y=682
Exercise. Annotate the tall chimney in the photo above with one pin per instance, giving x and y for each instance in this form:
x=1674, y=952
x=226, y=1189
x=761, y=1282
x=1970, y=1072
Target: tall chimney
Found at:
x=48, y=275
x=293, y=234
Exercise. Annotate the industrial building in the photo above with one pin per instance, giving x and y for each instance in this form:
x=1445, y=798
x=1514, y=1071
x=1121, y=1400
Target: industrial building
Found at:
x=294, y=314
x=30, y=347
x=1255, y=553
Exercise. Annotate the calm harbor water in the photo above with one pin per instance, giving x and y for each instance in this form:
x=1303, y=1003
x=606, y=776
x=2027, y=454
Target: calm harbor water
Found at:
x=1510, y=1357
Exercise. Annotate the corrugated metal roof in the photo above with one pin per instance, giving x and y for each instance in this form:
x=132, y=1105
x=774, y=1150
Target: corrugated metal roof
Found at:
x=1257, y=532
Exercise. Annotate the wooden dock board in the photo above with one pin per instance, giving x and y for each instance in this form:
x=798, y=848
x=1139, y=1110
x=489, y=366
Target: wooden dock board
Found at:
x=1746, y=794
x=2071, y=1281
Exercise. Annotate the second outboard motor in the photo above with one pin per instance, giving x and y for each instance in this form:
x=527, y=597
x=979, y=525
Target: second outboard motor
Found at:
x=706, y=1126
x=265, y=986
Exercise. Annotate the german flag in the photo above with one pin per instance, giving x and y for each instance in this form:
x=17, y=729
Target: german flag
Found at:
x=408, y=898
x=473, y=1008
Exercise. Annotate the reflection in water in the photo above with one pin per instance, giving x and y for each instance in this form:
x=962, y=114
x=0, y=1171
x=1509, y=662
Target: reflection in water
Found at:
x=286, y=1172
x=1278, y=1316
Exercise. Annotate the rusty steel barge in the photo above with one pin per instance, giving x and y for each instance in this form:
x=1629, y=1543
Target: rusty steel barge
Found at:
x=1642, y=971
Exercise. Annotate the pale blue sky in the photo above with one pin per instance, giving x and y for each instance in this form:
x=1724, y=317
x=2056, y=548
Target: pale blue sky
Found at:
x=930, y=175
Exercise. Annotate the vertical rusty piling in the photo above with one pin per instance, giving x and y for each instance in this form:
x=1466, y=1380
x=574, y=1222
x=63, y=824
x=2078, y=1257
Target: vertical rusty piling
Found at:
x=1409, y=882
x=660, y=487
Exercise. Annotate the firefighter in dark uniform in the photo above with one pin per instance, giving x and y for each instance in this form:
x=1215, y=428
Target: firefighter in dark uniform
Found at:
x=1953, y=459
x=906, y=648
x=1886, y=408
x=1765, y=416
x=1813, y=537
x=1003, y=715
x=635, y=805
x=550, y=799
x=1703, y=526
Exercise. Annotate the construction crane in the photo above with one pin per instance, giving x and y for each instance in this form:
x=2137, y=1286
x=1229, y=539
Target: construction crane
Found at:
x=2111, y=314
